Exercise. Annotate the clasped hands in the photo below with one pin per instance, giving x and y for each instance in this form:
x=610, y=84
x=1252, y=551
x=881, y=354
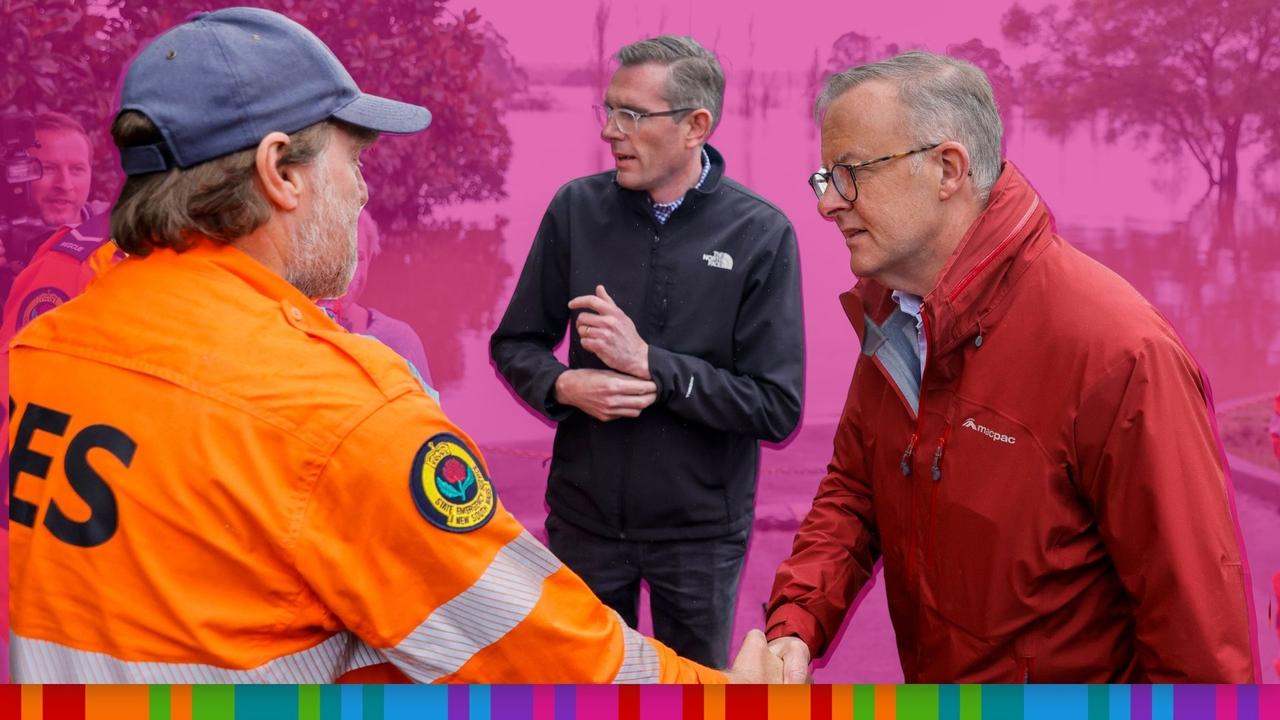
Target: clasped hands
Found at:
x=785, y=660
x=626, y=388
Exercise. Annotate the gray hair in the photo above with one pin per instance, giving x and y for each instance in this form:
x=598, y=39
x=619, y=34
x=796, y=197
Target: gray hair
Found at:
x=695, y=79
x=944, y=98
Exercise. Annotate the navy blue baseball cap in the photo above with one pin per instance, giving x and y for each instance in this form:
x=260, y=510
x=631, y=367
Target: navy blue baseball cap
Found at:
x=222, y=81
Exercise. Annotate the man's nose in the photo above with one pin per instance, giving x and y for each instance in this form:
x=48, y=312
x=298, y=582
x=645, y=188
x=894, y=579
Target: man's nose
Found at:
x=610, y=132
x=832, y=202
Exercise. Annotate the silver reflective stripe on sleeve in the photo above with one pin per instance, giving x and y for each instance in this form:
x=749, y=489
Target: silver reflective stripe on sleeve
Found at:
x=499, y=600
x=639, y=659
x=41, y=661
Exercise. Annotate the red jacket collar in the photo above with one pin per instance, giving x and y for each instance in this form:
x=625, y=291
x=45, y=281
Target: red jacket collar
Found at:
x=985, y=265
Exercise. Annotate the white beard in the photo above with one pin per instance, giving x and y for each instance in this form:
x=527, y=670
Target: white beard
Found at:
x=324, y=254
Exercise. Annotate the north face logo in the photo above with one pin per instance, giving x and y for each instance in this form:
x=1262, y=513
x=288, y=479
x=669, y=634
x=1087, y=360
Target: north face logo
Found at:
x=998, y=437
x=717, y=259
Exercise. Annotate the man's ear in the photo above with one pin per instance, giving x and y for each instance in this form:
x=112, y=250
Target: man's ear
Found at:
x=282, y=185
x=699, y=127
x=955, y=168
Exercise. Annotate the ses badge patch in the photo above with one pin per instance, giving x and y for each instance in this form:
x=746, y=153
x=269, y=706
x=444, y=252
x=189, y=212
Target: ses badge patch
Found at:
x=449, y=486
x=39, y=302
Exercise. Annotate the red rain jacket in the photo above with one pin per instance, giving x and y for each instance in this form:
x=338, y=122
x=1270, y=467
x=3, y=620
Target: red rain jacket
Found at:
x=1059, y=510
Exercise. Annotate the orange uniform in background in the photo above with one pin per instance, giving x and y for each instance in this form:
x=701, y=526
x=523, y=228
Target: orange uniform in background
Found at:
x=214, y=482
x=61, y=268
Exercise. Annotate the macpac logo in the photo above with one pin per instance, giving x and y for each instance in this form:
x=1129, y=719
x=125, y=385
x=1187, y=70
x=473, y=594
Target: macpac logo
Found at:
x=969, y=423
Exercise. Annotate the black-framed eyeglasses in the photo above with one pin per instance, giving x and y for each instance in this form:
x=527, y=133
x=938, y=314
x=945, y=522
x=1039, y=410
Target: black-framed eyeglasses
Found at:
x=844, y=175
x=628, y=120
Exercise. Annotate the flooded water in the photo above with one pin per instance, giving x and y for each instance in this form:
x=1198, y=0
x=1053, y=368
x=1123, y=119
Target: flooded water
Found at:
x=452, y=281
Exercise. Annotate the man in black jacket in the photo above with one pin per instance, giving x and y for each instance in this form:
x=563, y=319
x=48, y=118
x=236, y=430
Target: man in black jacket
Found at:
x=686, y=348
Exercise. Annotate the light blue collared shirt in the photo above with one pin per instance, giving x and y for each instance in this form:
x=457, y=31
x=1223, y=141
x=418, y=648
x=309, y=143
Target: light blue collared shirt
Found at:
x=910, y=304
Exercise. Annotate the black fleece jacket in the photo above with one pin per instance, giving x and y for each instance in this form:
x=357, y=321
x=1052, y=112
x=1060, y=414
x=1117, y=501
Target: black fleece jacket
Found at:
x=715, y=292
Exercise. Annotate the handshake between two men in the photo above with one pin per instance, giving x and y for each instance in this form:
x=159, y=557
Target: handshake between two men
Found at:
x=785, y=660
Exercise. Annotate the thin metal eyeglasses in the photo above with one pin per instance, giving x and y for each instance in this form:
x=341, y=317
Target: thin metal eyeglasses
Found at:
x=628, y=120
x=843, y=174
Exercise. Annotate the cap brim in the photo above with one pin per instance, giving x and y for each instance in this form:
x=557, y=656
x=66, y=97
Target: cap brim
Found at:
x=383, y=115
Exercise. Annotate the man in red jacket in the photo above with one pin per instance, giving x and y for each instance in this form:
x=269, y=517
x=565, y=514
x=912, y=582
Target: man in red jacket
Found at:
x=1026, y=444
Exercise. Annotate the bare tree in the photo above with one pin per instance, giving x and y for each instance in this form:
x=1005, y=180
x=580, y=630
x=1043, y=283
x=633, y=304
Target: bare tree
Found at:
x=1198, y=77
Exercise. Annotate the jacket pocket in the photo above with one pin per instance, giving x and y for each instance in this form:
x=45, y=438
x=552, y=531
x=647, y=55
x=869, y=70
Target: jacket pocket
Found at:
x=990, y=529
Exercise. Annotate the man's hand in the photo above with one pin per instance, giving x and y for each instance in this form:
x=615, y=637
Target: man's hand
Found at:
x=795, y=659
x=754, y=664
x=609, y=334
x=604, y=394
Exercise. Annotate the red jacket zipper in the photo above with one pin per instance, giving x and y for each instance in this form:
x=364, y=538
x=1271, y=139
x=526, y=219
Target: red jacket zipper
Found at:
x=908, y=456
x=936, y=475
x=968, y=278
x=936, y=471
x=910, y=452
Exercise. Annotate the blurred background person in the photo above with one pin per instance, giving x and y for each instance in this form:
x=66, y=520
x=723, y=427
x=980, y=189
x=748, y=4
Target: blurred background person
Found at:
x=65, y=152
x=53, y=259
x=58, y=198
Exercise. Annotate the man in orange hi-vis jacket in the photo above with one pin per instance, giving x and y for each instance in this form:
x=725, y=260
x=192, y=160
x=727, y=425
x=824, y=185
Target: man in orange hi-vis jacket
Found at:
x=214, y=482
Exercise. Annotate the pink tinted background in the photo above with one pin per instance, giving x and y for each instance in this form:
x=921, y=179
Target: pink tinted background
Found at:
x=1105, y=197
x=452, y=276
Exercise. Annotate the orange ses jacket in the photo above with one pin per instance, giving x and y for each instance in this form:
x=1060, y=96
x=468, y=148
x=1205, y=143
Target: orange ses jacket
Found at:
x=214, y=482
x=1052, y=506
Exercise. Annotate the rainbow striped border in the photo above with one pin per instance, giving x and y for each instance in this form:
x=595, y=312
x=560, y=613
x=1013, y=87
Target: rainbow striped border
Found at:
x=600, y=702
